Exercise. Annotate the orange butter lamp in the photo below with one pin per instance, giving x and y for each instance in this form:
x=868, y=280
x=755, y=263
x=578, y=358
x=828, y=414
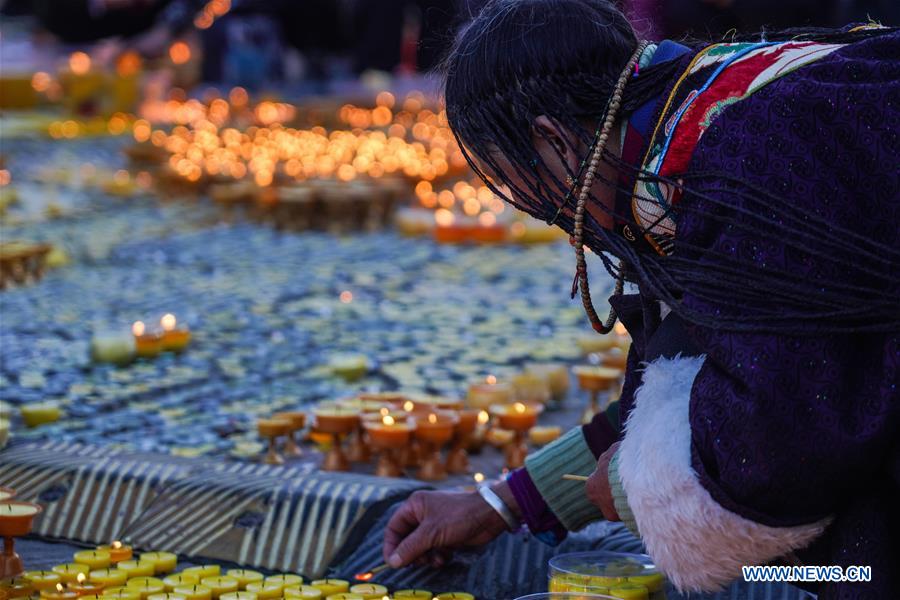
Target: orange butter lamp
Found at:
x=16, y=520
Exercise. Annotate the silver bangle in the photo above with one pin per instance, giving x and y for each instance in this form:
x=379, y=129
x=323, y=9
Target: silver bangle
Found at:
x=497, y=503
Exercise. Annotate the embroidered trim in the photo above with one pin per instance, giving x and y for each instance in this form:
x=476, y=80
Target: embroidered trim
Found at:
x=717, y=77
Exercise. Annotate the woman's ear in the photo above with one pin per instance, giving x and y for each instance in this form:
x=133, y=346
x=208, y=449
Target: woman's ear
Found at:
x=551, y=142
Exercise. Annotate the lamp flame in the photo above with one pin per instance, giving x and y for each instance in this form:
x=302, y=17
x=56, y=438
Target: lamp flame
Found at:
x=368, y=575
x=520, y=408
x=484, y=417
x=432, y=418
x=138, y=330
x=168, y=321
x=388, y=420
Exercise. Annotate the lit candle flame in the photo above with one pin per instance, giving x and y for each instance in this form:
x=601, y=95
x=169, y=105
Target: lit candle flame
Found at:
x=168, y=321
x=384, y=411
x=484, y=417
x=117, y=544
x=388, y=420
x=59, y=588
x=408, y=406
x=491, y=380
x=369, y=574
x=138, y=330
x=520, y=408
x=80, y=578
x=432, y=418
x=478, y=477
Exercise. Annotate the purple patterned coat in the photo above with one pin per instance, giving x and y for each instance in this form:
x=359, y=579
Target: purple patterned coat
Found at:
x=793, y=446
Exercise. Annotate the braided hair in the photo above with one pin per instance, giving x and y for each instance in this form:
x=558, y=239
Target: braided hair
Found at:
x=499, y=77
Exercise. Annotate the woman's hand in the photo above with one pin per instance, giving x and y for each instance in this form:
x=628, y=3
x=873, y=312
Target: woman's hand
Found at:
x=597, y=485
x=430, y=525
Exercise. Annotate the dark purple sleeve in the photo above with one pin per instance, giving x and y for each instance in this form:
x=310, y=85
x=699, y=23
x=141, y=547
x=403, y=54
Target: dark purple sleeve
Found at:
x=535, y=512
x=600, y=434
x=605, y=428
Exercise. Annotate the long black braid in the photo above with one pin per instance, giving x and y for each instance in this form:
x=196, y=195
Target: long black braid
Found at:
x=500, y=76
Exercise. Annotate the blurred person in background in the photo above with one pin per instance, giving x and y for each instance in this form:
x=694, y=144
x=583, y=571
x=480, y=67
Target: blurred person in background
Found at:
x=712, y=19
x=385, y=35
x=147, y=24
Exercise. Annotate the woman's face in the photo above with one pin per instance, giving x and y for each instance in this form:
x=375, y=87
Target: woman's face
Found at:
x=558, y=155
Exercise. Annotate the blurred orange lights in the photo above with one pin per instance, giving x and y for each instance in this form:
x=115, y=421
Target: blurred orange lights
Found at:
x=263, y=178
x=385, y=99
x=180, y=53
x=444, y=217
x=79, y=63
x=487, y=219
x=230, y=137
x=381, y=116
x=471, y=207
x=346, y=172
x=238, y=96
x=117, y=124
x=141, y=130
x=128, y=63
x=40, y=81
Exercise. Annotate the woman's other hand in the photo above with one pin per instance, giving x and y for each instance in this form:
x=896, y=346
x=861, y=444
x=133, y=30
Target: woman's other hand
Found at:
x=597, y=486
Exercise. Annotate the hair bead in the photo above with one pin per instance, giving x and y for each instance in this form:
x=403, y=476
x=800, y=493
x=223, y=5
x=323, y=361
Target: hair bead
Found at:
x=580, y=263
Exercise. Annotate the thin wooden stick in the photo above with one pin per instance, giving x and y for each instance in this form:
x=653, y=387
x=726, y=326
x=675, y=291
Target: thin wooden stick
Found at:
x=372, y=573
x=572, y=477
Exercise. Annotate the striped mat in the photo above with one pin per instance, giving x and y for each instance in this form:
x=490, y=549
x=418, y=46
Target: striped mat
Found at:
x=89, y=493
x=278, y=518
x=271, y=518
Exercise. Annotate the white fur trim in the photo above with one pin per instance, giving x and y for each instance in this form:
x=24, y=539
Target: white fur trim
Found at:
x=697, y=543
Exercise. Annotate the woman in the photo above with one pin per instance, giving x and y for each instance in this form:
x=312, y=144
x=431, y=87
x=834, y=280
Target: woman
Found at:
x=751, y=191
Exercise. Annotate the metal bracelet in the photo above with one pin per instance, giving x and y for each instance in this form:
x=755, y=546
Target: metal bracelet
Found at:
x=497, y=503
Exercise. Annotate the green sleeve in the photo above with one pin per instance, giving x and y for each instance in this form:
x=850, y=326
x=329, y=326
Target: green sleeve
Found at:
x=567, y=499
x=619, y=498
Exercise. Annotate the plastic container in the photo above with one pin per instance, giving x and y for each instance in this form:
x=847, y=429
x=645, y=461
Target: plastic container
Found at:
x=610, y=574
x=564, y=596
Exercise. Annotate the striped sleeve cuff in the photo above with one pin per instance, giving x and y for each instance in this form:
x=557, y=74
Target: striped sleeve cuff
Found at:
x=567, y=499
x=619, y=498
